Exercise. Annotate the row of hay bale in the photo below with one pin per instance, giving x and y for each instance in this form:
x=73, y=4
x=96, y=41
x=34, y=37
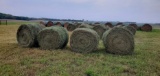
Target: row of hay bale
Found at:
x=71, y=26
x=35, y=35
x=141, y=27
x=117, y=40
x=100, y=29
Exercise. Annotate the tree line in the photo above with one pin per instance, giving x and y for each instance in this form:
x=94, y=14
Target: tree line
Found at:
x=9, y=16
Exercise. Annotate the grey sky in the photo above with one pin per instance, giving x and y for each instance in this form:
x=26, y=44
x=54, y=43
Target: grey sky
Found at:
x=98, y=10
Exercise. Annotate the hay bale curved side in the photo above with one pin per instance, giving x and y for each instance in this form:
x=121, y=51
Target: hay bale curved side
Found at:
x=27, y=34
x=134, y=25
x=58, y=23
x=100, y=29
x=118, y=41
x=65, y=32
x=85, y=26
x=55, y=37
x=119, y=23
x=71, y=27
x=146, y=27
x=131, y=29
x=84, y=40
x=108, y=24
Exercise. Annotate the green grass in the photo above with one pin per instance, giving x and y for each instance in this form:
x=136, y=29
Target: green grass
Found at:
x=18, y=61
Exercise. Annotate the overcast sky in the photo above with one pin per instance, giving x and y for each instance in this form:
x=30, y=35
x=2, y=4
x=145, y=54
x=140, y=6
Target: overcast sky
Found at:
x=98, y=10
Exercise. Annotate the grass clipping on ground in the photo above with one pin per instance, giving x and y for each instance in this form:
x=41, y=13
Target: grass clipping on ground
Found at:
x=84, y=40
x=27, y=34
x=55, y=37
x=118, y=41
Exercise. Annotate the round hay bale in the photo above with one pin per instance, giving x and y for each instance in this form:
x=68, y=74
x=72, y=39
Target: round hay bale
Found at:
x=108, y=24
x=77, y=24
x=71, y=27
x=27, y=34
x=134, y=25
x=49, y=24
x=42, y=23
x=100, y=29
x=66, y=24
x=131, y=29
x=120, y=23
x=118, y=41
x=55, y=37
x=84, y=40
x=85, y=26
x=146, y=27
x=58, y=23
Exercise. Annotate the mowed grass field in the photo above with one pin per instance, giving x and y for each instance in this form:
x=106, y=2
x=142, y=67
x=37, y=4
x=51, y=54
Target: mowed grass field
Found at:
x=18, y=61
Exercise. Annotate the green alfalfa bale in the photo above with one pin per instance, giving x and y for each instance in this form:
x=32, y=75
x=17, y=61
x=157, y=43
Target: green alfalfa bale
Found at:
x=27, y=34
x=118, y=41
x=71, y=27
x=131, y=29
x=100, y=29
x=84, y=40
x=51, y=38
x=85, y=26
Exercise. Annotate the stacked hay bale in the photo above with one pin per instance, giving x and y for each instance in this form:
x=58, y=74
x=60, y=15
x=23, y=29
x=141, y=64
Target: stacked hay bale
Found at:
x=134, y=25
x=55, y=37
x=118, y=41
x=108, y=24
x=27, y=34
x=84, y=40
x=146, y=27
x=131, y=29
x=100, y=29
